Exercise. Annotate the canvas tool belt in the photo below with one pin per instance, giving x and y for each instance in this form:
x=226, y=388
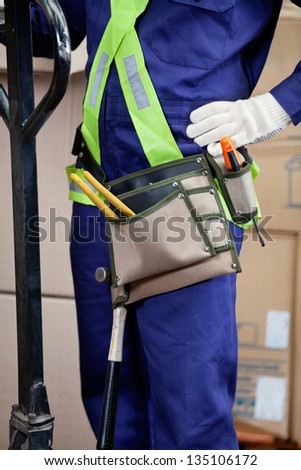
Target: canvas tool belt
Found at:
x=180, y=234
x=178, y=237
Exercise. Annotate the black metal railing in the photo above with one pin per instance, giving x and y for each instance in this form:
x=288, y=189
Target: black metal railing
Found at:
x=31, y=423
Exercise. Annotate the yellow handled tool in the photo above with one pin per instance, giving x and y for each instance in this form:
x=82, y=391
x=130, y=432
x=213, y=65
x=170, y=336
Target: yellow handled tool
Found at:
x=94, y=198
x=108, y=195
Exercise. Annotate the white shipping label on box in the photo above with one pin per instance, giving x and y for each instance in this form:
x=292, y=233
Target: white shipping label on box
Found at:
x=270, y=398
x=277, y=329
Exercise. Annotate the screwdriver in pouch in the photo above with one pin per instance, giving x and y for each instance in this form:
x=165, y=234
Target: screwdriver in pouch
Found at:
x=234, y=163
x=232, y=159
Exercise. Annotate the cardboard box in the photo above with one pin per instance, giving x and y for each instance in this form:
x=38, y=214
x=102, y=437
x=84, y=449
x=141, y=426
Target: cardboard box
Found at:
x=61, y=373
x=285, y=50
x=284, y=55
x=290, y=11
x=278, y=185
x=295, y=424
x=54, y=143
x=78, y=62
x=265, y=313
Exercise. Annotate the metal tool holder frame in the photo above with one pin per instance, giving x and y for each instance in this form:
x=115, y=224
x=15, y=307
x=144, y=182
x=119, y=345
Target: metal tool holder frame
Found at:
x=31, y=423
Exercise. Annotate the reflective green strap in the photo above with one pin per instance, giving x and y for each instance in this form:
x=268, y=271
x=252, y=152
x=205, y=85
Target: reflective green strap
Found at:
x=143, y=104
x=123, y=17
x=121, y=42
x=75, y=193
x=254, y=169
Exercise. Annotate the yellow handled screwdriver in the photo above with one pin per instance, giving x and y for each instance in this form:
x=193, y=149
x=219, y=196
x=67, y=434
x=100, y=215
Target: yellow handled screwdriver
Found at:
x=94, y=198
x=108, y=195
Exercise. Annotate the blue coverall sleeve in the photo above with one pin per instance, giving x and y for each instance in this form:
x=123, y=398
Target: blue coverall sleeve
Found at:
x=288, y=94
x=75, y=14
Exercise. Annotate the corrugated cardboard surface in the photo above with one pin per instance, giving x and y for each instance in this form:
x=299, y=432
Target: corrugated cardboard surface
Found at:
x=78, y=61
x=295, y=424
x=269, y=287
x=278, y=185
x=61, y=373
x=54, y=143
x=265, y=312
x=290, y=11
x=284, y=54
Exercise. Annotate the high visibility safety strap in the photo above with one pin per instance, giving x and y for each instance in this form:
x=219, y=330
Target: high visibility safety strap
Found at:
x=143, y=104
x=75, y=193
x=122, y=18
x=120, y=42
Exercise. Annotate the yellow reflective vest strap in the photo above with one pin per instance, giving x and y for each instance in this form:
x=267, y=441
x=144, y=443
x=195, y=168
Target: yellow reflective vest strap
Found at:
x=121, y=20
x=143, y=104
x=120, y=43
x=75, y=193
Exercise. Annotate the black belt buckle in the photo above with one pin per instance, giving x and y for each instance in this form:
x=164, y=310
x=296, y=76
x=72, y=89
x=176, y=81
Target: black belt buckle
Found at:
x=86, y=159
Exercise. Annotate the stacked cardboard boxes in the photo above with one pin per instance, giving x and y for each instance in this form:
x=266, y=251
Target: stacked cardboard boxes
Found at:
x=61, y=362
x=269, y=298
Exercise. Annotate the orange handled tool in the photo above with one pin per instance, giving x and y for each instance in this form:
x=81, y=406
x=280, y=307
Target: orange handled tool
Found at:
x=234, y=163
x=231, y=156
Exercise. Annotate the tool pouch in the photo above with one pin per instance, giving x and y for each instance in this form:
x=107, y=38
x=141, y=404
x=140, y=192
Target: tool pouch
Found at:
x=236, y=187
x=178, y=237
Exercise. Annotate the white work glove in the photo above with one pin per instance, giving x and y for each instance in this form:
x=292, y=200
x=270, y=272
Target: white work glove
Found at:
x=244, y=121
x=2, y=17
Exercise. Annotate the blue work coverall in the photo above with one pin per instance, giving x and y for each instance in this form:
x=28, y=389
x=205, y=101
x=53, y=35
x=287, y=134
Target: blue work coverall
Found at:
x=180, y=353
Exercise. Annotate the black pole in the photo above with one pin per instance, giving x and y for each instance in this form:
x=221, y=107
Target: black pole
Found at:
x=31, y=423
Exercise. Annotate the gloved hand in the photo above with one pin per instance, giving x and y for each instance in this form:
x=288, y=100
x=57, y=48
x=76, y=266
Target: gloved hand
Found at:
x=245, y=121
x=2, y=16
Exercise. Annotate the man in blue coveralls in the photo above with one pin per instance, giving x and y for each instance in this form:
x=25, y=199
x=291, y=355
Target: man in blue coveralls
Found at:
x=180, y=354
